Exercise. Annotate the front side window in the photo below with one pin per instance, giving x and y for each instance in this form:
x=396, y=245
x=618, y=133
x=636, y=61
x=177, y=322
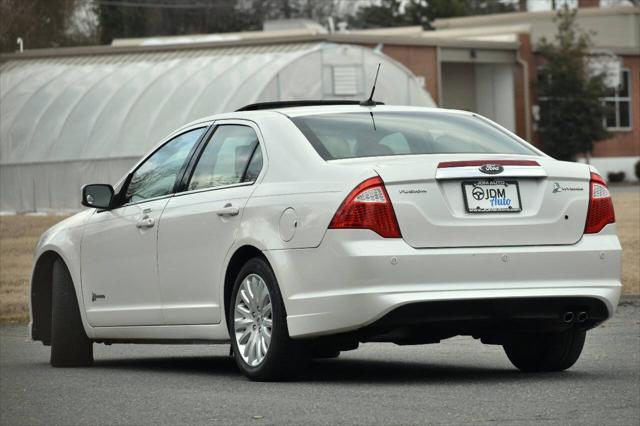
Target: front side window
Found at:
x=157, y=175
x=618, y=104
x=369, y=134
x=231, y=156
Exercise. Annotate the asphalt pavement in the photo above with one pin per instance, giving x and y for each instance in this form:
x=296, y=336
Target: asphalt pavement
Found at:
x=459, y=381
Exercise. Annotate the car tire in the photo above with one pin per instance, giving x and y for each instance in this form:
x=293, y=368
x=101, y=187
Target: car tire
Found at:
x=284, y=357
x=70, y=346
x=546, y=351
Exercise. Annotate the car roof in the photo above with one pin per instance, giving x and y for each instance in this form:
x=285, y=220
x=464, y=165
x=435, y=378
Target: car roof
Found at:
x=298, y=111
x=338, y=109
x=303, y=103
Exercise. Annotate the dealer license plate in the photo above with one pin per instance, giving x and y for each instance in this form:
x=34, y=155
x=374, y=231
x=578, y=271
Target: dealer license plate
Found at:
x=491, y=196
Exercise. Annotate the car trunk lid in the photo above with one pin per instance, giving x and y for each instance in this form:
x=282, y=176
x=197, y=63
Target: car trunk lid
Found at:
x=536, y=200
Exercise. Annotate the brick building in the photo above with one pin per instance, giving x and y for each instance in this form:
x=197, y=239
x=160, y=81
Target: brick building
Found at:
x=616, y=32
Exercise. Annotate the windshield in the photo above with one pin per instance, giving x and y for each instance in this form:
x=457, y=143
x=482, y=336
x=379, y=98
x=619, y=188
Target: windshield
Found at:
x=370, y=134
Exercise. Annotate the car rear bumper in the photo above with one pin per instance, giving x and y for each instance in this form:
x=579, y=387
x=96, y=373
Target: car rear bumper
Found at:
x=355, y=278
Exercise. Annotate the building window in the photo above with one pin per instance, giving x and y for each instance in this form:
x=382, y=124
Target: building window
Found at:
x=618, y=104
x=345, y=80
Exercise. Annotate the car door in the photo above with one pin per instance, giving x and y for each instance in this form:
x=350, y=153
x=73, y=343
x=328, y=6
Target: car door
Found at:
x=119, y=247
x=198, y=225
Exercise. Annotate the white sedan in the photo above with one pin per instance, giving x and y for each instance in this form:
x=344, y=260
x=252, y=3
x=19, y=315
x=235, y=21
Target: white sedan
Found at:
x=299, y=230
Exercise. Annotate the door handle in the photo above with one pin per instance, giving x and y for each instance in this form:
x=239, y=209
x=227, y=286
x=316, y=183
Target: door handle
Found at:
x=146, y=222
x=228, y=210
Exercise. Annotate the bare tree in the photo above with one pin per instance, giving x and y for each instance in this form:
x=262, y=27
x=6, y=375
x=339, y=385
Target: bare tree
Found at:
x=16, y=20
x=39, y=23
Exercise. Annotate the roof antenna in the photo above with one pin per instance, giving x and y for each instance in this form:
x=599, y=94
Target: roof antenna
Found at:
x=370, y=101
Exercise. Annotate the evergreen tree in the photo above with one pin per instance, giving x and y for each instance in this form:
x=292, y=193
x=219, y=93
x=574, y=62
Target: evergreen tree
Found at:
x=424, y=12
x=386, y=14
x=571, y=113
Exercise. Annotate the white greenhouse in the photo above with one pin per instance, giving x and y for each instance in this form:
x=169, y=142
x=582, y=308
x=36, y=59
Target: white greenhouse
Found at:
x=71, y=119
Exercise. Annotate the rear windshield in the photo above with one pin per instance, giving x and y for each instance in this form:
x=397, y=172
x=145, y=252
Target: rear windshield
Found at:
x=370, y=134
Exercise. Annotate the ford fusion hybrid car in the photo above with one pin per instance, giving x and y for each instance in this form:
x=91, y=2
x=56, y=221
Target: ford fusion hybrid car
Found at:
x=299, y=230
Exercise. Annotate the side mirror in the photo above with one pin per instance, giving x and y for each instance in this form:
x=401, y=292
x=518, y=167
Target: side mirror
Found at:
x=97, y=195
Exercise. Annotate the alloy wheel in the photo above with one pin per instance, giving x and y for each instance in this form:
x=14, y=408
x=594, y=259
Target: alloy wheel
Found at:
x=253, y=320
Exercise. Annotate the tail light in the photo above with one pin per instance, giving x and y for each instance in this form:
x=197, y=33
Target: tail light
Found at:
x=368, y=207
x=600, y=211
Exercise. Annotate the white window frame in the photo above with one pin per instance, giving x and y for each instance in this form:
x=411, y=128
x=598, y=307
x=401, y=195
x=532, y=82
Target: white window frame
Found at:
x=617, y=99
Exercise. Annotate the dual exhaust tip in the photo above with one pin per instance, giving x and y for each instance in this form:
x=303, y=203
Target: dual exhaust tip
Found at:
x=579, y=317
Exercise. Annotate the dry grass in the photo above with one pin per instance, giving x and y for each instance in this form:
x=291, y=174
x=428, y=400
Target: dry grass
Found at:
x=18, y=237
x=627, y=207
x=19, y=234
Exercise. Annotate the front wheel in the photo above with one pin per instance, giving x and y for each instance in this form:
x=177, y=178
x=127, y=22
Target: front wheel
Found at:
x=546, y=351
x=70, y=346
x=257, y=321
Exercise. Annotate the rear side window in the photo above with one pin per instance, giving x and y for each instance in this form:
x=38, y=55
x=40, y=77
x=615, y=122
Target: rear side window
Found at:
x=228, y=158
x=365, y=134
x=254, y=167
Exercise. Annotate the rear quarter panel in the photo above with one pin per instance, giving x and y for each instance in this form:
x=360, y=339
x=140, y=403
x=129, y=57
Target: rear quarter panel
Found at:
x=296, y=180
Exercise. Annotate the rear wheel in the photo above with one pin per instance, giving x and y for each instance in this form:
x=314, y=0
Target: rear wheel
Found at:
x=257, y=322
x=70, y=346
x=546, y=351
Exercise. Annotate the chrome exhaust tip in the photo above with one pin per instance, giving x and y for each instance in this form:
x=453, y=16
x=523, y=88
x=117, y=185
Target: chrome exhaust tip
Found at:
x=567, y=317
x=582, y=317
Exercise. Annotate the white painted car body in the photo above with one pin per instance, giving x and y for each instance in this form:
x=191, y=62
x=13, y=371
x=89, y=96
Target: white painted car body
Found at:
x=166, y=282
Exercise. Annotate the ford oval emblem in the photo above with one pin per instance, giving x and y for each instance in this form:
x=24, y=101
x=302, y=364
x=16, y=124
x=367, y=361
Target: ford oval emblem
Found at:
x=491, y=169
